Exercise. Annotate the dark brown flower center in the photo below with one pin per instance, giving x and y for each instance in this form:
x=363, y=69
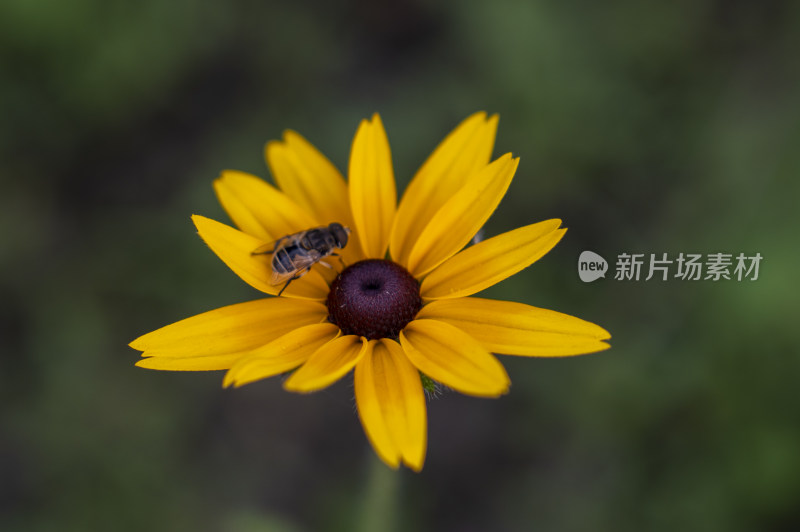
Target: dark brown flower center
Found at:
x=373, y=298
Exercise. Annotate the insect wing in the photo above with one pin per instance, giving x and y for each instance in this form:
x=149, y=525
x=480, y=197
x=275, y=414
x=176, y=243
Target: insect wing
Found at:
x=268, y=249
x=278, y=278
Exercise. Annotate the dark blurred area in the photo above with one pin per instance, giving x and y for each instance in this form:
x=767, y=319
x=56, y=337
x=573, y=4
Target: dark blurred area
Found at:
x=648, y=127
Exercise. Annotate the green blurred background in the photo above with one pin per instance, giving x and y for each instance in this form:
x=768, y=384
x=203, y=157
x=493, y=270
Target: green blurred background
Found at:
x=649, y=127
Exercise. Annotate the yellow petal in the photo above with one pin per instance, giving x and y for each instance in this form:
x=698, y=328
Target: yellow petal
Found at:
x=518, y=329
x=252, y=203
x=280, y=355
x=452, y=357
x=454, y=225
x=309, y=178
x=465, y=151
x=235, y=248
x=231, y=329
x=489, y=262
x=372, y=188
x=328, y=364
x=209, y=363
x=313, y=182
x=391, y=405
x=239, y=213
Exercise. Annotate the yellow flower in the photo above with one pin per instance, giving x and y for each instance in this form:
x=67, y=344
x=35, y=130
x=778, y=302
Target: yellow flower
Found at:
x=401, y=309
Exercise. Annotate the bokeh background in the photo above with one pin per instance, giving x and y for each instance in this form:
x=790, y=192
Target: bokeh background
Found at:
x=649, y=127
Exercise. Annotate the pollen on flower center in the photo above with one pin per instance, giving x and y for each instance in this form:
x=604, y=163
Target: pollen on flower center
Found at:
x=373, y=298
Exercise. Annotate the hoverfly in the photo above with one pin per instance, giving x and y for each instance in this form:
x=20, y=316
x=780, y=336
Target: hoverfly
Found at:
x=294, y=255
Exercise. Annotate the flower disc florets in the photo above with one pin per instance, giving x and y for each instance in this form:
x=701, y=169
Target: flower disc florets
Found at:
x=373, y=298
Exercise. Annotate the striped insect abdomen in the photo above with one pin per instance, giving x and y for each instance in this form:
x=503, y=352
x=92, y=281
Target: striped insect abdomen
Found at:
x=283, y=259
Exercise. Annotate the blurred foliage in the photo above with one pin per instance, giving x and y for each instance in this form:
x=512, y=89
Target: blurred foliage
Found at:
x=648, y=127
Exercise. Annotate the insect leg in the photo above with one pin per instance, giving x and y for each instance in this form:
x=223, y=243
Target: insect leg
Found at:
x=296, y=276
x=287, y=284
x=340, y=259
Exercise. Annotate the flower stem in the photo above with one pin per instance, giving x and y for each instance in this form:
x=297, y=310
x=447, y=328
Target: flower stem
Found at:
x=379, y=510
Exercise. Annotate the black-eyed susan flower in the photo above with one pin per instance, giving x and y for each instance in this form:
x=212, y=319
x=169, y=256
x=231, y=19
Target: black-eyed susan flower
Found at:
x=399, y=307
